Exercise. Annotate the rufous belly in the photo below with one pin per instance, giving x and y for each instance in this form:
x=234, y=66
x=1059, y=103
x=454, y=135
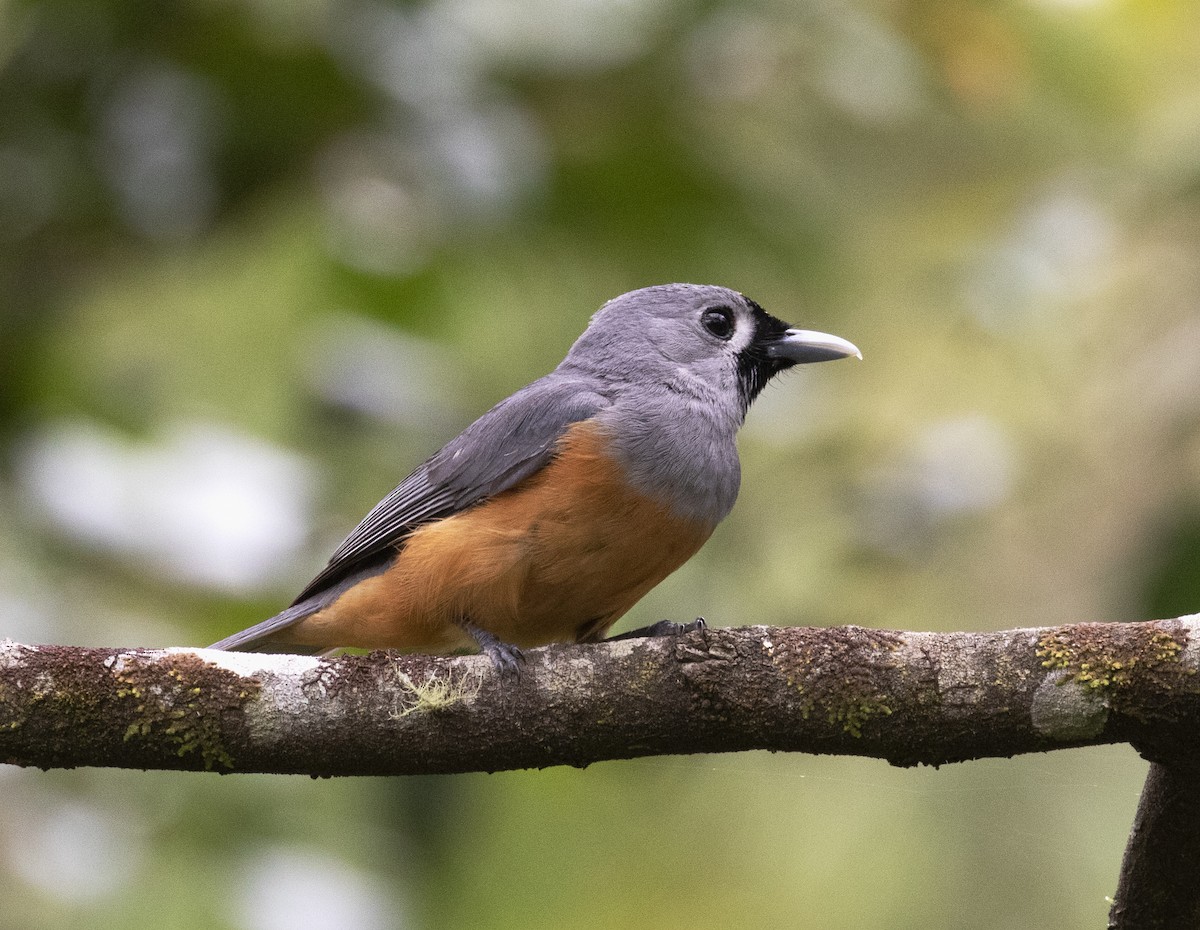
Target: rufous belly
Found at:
x=559, y=558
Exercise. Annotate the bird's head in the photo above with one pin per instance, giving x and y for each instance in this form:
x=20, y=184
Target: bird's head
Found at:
x=675, y=332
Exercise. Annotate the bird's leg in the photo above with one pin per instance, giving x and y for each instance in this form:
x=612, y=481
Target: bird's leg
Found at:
x=506, y=658
x=662, y=628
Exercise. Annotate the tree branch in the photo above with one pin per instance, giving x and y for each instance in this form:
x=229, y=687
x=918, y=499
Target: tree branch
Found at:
x=1158, y=888
x=906, y=697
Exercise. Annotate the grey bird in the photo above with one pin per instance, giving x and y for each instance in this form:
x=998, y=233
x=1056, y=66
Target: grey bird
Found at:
x=552, y=514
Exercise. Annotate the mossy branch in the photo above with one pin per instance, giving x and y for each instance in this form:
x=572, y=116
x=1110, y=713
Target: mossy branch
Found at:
x=906, y=697
x=909, y=698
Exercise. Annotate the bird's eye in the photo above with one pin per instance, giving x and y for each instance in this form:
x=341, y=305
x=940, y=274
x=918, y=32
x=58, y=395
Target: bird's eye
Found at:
x=718, y=321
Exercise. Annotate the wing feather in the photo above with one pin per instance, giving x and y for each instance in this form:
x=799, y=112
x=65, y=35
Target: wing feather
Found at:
x=507, y=444
x=503, y=447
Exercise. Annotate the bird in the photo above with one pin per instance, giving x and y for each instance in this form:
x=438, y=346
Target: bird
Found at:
x=556, y=511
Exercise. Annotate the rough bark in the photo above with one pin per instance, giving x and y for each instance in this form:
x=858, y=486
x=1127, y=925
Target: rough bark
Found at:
x=909, y=698
x=1158, y=889
x=906, y=697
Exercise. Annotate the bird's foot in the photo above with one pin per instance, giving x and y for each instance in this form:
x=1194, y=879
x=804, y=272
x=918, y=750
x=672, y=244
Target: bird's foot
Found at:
x=506, y=658
x=662, y=628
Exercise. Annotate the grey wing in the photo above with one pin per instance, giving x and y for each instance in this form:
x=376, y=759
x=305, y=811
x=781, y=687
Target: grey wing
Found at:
x=506, y=445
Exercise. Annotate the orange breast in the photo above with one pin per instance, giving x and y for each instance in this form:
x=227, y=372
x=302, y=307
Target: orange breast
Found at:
x=559, y=558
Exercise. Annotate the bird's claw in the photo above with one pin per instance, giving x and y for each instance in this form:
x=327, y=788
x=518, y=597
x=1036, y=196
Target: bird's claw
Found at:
x=506, y=658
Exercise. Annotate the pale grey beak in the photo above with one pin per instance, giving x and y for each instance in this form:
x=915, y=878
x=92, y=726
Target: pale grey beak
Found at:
x=800, y=346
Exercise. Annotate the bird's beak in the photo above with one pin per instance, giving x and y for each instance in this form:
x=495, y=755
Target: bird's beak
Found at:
x=800, y=346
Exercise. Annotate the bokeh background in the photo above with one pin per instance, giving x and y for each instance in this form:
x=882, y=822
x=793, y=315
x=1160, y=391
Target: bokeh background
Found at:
x=259, y=257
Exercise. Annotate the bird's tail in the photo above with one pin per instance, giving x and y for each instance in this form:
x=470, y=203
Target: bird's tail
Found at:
x=261, y=636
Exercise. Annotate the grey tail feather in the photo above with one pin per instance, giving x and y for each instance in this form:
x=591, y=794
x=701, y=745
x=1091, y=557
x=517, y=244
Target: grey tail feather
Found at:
x=258, y=637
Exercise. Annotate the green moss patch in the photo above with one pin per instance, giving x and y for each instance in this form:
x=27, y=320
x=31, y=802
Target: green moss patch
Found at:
x=836, y=672
x=183, y=700
x=1126, y=664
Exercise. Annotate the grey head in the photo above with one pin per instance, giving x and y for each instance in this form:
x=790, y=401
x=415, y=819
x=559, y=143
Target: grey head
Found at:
x=699, y=339
x=683, y=362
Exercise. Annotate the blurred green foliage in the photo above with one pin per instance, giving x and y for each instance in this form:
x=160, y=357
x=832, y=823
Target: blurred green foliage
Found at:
x=258, y=258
